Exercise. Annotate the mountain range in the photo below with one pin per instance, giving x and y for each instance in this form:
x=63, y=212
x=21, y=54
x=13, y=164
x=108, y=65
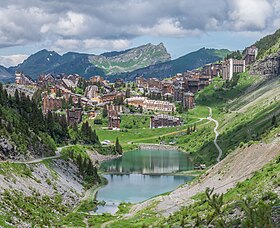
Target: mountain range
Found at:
x=189, y=61
x=148, y=60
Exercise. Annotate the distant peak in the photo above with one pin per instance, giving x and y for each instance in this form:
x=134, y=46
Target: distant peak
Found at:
x=42, y=51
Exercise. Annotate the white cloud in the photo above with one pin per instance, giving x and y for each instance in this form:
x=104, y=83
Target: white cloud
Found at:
x=89, y=44
x=21, y=25
x=70, y=24
x=75, y=25
x=250, y=15
x=167, y=27
x=70, y=44
x=12, y=60
x=106, y=44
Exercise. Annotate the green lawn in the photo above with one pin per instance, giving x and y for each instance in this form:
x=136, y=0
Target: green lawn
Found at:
x=136, y=128
x=135, y=121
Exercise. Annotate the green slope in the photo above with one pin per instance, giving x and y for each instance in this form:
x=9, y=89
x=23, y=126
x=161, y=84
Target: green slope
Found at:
x=197, y=59
x=268, y=45
x=245, y=113
x=131, y=59
x=189, y=61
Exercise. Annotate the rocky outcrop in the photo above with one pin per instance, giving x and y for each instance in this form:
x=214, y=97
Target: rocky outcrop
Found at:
x=8, y=150
x=269, y=66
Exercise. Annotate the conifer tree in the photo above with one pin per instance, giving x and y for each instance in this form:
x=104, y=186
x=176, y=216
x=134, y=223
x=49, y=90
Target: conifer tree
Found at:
x=118, y=147
x=93, y=137
x=273, y=121
x=80, y=163
x=16, y=97
x=85, y=165
x=104, y=112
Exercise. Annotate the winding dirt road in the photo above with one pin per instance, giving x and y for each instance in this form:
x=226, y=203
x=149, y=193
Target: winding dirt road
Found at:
x=216, y=134
x=37, y=160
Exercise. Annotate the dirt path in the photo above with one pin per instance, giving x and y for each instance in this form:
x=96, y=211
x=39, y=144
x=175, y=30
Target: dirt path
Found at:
x=216, y=134
x=104, y=225
x=89, y=195
x=57, y=155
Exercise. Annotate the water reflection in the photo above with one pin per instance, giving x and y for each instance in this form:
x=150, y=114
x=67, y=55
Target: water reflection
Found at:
x=149, y=162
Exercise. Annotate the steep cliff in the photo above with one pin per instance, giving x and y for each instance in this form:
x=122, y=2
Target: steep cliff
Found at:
x=268, y=66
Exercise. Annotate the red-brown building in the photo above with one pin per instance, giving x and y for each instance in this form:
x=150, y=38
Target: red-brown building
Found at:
x=118, y=108
x=114, y=119
x=46, y=79
x=96, y=79
x=188, y=100
x=112, y=96
x=154, y=83
x=141, y=82
x=74, y=115
x=109, y=97
x=160, y=121
x=22, y=79
x=51, y=103
x=167, y=87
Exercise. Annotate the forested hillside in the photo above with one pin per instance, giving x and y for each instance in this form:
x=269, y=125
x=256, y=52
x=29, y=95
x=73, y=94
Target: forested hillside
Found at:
x=24, y=130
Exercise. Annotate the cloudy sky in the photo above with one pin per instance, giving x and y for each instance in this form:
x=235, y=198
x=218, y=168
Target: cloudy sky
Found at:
x=95, y=26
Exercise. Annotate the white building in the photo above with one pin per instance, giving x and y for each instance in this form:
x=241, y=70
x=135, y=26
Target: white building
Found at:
x=232, y=66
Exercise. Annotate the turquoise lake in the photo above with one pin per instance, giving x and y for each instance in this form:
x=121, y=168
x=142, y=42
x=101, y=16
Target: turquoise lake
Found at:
x=141, y=174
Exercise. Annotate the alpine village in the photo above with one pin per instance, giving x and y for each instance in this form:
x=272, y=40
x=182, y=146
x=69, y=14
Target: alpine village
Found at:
x=135, y=139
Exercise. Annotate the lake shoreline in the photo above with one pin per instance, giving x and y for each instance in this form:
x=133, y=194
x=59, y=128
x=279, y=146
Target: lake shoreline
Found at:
x=190, y=173
x=162, y=168
x=147, y=146
x=150, y=146
x=98, y=158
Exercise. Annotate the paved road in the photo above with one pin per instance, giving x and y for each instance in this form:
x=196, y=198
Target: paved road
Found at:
x=57, y=155
x=216, y=134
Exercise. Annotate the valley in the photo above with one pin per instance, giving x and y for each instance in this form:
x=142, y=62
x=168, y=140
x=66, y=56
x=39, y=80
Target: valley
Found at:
x=196, y=148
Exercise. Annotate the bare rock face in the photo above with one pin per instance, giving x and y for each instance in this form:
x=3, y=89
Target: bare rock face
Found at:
x=5, y=145
x=7, y=150
x=269, y=66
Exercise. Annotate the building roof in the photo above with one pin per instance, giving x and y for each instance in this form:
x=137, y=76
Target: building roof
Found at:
x=163, y=116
